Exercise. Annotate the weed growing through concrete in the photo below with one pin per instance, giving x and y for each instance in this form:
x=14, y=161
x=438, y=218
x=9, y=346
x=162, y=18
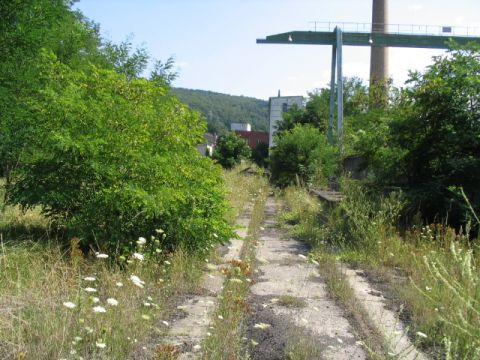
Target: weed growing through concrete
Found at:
x=291, y=301
x=225, y=339
x=439, y=265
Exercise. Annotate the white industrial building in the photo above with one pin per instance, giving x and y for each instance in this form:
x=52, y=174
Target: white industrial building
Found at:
x=277, y=106
x=240, y=127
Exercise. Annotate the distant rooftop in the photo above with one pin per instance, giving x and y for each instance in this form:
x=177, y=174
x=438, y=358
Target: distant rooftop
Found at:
x=413, y=29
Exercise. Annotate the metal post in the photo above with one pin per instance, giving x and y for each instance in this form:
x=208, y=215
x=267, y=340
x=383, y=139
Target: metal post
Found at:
x=339, y=89
x=332, y=95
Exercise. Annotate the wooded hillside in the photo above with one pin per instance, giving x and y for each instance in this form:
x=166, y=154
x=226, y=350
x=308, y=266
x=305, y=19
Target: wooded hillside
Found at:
x=222, y=109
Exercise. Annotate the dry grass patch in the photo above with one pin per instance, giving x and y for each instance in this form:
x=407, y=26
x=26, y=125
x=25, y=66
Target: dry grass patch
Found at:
x=291, y=301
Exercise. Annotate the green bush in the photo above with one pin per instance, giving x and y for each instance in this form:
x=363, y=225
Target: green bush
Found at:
x=230, y=150
x=114, y=159
x=430, y=143
x=303, y=153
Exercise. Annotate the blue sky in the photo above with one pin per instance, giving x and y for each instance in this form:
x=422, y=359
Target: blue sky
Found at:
x=213, y=41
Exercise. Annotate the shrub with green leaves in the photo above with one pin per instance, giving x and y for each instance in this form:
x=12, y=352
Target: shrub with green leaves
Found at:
x=231, y=149
x=114, y=159
x=303, y=153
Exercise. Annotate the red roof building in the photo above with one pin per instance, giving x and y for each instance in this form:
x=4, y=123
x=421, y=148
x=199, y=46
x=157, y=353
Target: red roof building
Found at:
x=253, y=138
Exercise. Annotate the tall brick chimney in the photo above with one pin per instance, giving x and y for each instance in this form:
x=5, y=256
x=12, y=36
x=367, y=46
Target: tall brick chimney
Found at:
x=379, y=55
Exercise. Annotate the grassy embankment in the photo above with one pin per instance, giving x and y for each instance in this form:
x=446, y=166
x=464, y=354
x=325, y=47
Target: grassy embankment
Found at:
x=440, y=293
x=57, y=303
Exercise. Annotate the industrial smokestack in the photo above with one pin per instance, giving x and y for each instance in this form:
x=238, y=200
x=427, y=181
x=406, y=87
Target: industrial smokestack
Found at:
x=379, y=55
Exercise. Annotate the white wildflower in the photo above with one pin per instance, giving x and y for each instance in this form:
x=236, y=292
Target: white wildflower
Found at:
x=101, y=256
x=147, y=304
x=165, y=323
x=90, y=290
x=262, y=326
x=112, y=302
x=159, y=231
x=141, y=241
x=69, y=304
x=99, y=309
x=136, y=281
x=145, y=317
x=89, y=278
x=101, y=345
x=119, y=284
x=158, y=251
x=95, y=299
x=220, y=317
x=138, y=256
x=421, y=334
x=167, y=262
x=149, y=298
x=235, y=280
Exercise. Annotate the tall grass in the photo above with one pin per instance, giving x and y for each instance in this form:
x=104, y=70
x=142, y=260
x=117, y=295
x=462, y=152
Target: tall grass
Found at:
x=56, y=303
x=441, y=266
x=243, y=183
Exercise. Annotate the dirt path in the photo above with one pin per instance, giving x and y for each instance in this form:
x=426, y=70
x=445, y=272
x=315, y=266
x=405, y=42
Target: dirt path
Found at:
x=293, y=312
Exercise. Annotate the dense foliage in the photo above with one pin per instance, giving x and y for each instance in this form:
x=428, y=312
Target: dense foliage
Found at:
x=230, y=150
x=108, y=155
x=424, y=141
x=429, y=144
x=221, y=110
x=303, y=154
x=316, y=111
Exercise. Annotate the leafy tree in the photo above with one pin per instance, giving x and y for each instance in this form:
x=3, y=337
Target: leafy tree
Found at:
x=26, y=28
x=432, y=142
x=106, y=154
x=303, y=153
x=231, y=149
x=125, y=60
x=115, y=159
x=316, y=111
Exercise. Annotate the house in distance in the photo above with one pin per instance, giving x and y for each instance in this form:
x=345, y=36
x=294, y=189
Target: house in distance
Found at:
x=253, y=138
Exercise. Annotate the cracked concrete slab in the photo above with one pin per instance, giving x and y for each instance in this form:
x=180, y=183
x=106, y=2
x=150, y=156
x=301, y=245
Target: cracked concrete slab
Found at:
x=386, y=320
x=284, y=270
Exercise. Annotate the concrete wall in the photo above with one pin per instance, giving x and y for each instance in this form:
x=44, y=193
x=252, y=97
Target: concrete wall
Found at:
x=278, y=105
